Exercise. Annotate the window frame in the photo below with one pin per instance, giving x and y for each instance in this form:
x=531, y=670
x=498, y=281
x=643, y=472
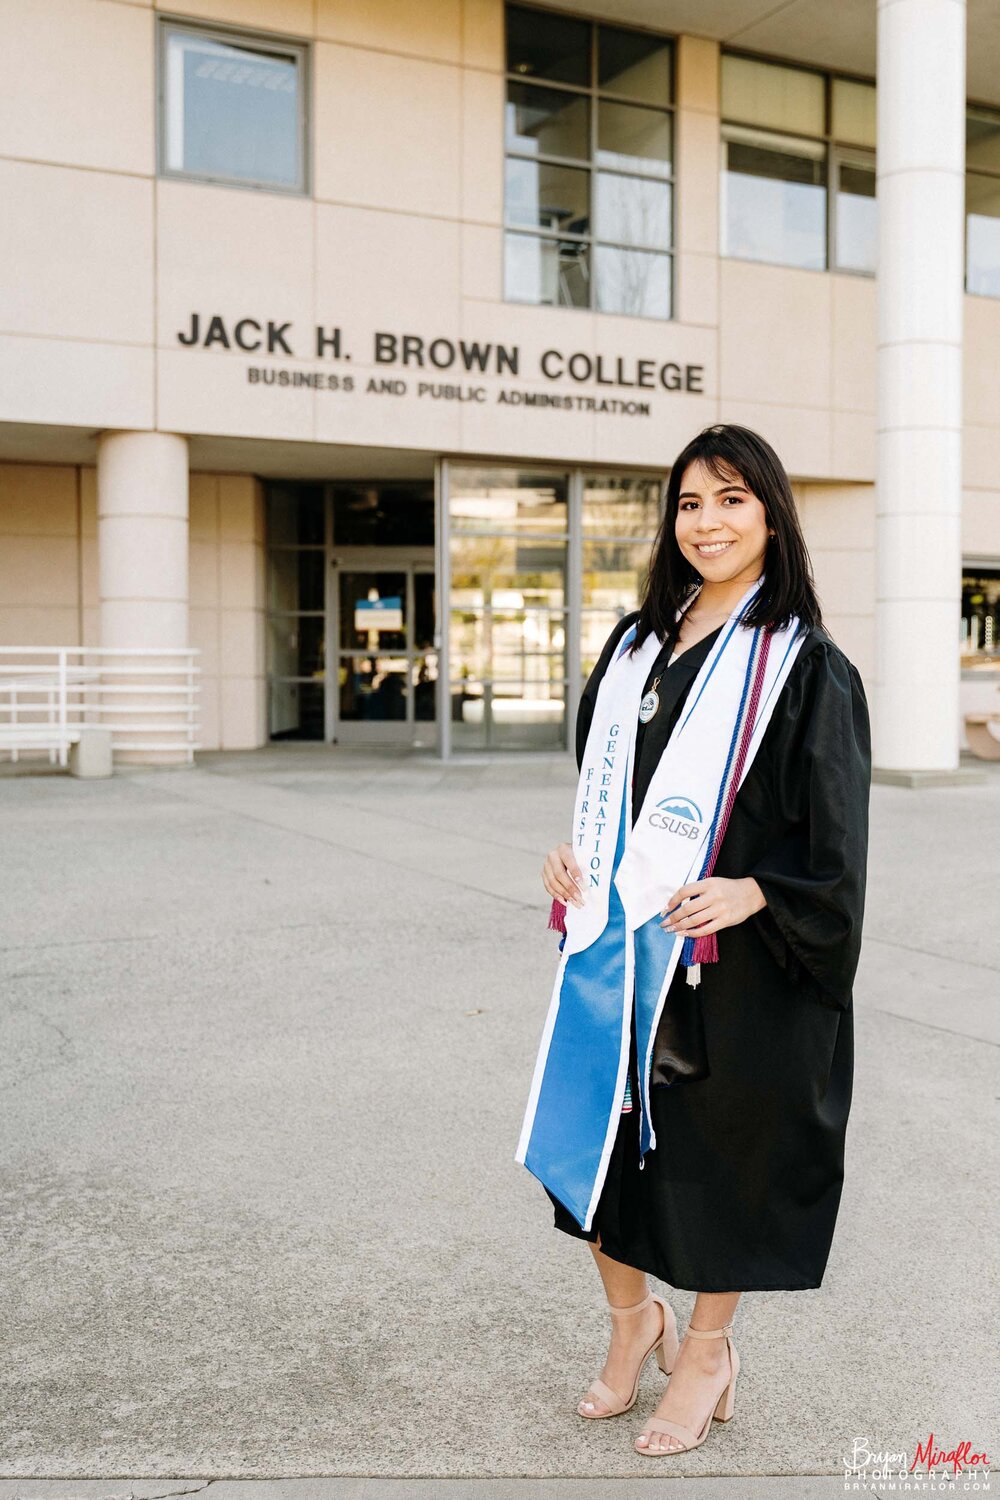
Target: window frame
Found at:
x=834, y=149
x=838, y=156
x=976, y=664
x=612, y=538
x=972, y=106
x=252, y=39
x=594, y=94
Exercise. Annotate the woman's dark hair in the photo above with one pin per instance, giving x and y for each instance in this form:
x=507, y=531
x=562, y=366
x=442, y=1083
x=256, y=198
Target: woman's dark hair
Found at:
x=788, y=588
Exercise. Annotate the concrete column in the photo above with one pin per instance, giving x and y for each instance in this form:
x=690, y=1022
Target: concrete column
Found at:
x=696, y=182
x=921, y=198
x=142, y=545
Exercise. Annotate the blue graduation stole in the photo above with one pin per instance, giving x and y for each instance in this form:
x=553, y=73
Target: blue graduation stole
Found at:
x=617, y=961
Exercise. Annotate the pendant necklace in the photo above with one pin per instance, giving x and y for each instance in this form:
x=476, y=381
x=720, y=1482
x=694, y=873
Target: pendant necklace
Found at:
x=649, y=704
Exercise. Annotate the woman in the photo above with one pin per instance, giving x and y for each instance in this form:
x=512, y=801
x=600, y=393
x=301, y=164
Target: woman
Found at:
x=708, y=1149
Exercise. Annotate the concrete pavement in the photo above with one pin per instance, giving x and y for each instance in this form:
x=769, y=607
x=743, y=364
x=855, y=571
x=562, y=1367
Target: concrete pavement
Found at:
x=738, y=1488
x=268, y=1028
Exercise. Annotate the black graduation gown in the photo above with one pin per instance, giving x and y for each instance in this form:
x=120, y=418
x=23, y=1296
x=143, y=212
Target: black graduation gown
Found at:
x=753, y=1069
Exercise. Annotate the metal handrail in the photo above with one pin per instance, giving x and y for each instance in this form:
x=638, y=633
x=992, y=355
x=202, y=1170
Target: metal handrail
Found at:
x=50, y=694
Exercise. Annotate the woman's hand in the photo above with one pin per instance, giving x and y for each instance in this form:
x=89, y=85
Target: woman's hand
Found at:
x=712, y=904
x=561, y=875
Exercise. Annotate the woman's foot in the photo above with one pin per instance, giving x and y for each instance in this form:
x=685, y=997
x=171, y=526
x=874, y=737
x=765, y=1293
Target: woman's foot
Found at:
x=630, y=1340
x=701, y=1373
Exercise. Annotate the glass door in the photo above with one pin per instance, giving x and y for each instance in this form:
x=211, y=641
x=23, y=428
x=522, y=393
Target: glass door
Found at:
x=508, y=530
x=383, y=613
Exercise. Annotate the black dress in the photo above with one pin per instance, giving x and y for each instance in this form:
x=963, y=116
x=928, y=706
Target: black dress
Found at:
x=753, y=1069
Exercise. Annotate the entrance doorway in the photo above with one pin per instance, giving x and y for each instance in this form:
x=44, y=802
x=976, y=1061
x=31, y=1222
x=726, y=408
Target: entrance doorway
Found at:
x=383, y=615
x=352, y=613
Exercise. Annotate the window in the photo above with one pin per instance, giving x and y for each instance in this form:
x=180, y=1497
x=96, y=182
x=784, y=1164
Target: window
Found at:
x=507, y=610
x=798, y=167
x=980, y=637
x=589, y=165
x=982, y=202
x=296, y=610
x=621, y=515
x=232, y=108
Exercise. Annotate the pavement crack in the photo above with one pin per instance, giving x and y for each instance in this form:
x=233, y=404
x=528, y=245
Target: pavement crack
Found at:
x=65, y=1040
x=35, y=945
x=946, y=958
x=167, y=1494
x=966, y=1036
x=379, y=859
x=65, y=1050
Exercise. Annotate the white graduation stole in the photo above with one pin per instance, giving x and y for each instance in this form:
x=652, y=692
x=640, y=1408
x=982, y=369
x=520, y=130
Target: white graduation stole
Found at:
x=615, y=947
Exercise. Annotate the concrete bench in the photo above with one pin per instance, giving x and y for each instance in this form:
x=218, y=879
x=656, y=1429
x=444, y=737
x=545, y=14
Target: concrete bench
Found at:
x=88, y=749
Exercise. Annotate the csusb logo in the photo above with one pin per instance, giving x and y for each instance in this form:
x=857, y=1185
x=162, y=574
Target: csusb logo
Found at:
x=677, y=815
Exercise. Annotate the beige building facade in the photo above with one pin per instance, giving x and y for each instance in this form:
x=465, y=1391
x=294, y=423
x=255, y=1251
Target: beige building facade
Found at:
x=375, y=417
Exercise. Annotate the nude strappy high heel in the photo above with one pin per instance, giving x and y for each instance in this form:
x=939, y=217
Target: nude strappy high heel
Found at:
x=666, y=1345
x=722, y=1411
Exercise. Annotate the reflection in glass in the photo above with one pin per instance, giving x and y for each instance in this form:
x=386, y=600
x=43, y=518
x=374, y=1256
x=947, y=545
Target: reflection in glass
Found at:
x=295, y=579
x=378, y=515
x=380, y=668
x=506, y=717
x=522, y=723
x=295, y=645
x=633, y=140
x=373, y=688
x=547, y=122
x=542, y=45
x=296, y=710
x=296, y=515
x=595, y=627
x=613, y=580
x=424, y=604
x=632, y=211
x=547, y=273
x=632, y=282
x=774, y=199
x=510, y=644
x=856, y=210
x=231, y=111
x=485, y=567
x=982, y=139
x=614, y=574
x=506, y=618
x=520, y=500
x=853, y=107
x=554, y=143
x=545, y=196
x=771, y=95
x=424, y=673
x=634, y=64
x=980, y=635
x=617, y=505
x=982, y=243
x=372, y=611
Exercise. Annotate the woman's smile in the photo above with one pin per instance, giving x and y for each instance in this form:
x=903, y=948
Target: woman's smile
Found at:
x=714, y=520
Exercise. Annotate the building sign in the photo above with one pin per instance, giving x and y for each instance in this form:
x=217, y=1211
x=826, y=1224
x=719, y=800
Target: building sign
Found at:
x=378, y=614
x=443, y=369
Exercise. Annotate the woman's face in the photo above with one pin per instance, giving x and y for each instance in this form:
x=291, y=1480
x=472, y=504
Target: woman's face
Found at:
x=721, y=526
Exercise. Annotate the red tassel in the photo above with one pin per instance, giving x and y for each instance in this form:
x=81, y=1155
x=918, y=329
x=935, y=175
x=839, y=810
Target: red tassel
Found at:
x=706, y=950
x=557, y=916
